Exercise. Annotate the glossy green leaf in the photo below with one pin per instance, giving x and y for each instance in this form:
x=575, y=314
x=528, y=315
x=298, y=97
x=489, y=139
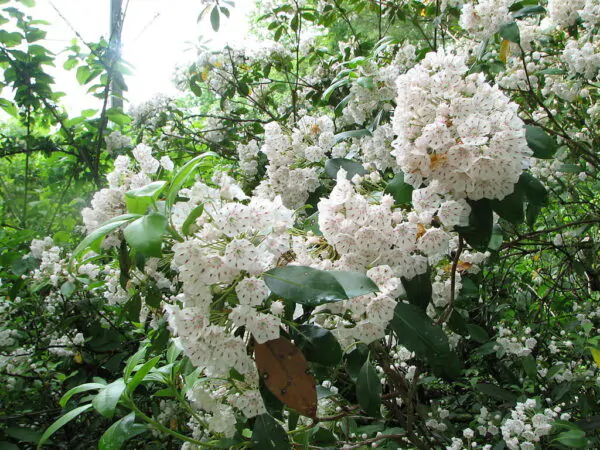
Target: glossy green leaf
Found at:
x=133, y=362
x=510, y=32
x=138, y=200
x=311, y=223
x=481, y=222
x=366, y=82
x=61, y=422
x=573, y=439
x=184, y=175
x=318, y=344
x=79, y=389
x=333, y=87
x=332, y=167
x=368, y=390
x=137, y=379
x=191, y=219
x=308, y=286
x=356, y=359
x=215, y=18
x=415, y=330
x=401, y=191
x=511, y=207
x=492, y=390
x=23, y=434
x=536, y=195
x=355, y=284
x=351, y=134
x=543, y=145
x=268, y=434
x=478, y=334
x=145, y=235
x=121, y=431
x=419, y=290
x=105, y=401
x=94, y=240
x=529, y=11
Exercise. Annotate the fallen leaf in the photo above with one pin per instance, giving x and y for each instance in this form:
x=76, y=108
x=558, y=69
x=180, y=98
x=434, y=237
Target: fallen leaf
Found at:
x=284, y=371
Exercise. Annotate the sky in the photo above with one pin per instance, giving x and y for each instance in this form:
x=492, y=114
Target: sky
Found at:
x=157, y=36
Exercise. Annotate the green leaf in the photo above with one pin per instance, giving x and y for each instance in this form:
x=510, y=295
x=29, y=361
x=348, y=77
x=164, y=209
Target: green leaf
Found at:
x=294, y=22
x=61, y=422
x=415, y=330
x=318, y=345
x=529, y=11
x=478, y=334
x=368, y=390
x=215, y=18
x=355, y=284
x=481, y=222
x=312, y=224
x=183, y=175
x=22, y=434
x=401, y=191
x=458, y=324
x=116, y=116
x=333, y=87
x=355, y=360
x=138, y=200
x=268, y=434
x=137, y=379
x=83, y=74
x=510, y=32
x=351, y=134
x=543, y=145
x=536, y=195
x=419, y=290
x=332, y=167
x=191, y=219
x=569, y=168
x=511, y=207
x=145, y=235
x=572, y=439
x=491, y=390
x=105, y=401
x=121, y=431
x=366, y=82
x=530, y=367
x=77, y=390
x=308, y=286
x=135, y=359
x=94, y=239
x=67, y=289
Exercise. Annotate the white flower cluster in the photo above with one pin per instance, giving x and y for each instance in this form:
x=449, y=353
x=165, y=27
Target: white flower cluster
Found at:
x=363, y=99
x=63, y=346
x=110, y=202
x=117, y=141
x=366, y=234
x=52, y=266
x=376, y=149
x=526, y=426
x=248, y=158
x=582, y=57
x=233, y=244
x=507, y=343
x=564, y=13
x=484, y=18
x=456, y=129
x=292, y=171
x=590, y=14
x=363, y=318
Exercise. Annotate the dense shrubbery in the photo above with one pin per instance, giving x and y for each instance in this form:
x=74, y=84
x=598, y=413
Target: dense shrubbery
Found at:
x=378, y=230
